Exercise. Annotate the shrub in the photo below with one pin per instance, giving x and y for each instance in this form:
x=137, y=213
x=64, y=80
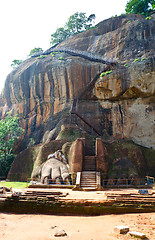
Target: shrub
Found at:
x=108, y=72
x=102, y=74
x=148, y=18
x=61, y=58
x=42, y=56
x=125, y=65
x=143, y=59
x=105, y=73
x=136, y=60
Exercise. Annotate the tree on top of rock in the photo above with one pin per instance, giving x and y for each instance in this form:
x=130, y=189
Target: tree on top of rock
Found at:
x=35, y=50
x=16, y=63
x=77, y=23
x=140, y=6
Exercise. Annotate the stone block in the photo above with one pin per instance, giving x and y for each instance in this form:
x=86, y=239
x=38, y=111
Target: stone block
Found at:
x=137, y=234
x=60, y=233
x=121, y=229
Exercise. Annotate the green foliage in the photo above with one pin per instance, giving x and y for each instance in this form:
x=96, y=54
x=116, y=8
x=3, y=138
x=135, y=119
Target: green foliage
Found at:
x=102, y=74
x=61, y=58
x=10, y=132
x=35, y=50
x=128, y=21
x=143, y=59
x=31, y=142
x=108, y=72
x=60, y=35
x=139, y=6
x=16, y=63
x=42, y=56
x=136, y=60
x=78, y=22
x=148, y=18
x=125, y=65
x=105, y=73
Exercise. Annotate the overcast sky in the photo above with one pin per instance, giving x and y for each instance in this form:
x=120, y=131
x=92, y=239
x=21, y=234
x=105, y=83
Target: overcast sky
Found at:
x=26, y=24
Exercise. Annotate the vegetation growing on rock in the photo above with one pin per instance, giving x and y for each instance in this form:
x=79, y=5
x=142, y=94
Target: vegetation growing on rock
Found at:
x=10, y=132
x=77, y=23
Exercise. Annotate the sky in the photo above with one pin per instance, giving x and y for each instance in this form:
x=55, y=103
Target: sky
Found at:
x=26, y=24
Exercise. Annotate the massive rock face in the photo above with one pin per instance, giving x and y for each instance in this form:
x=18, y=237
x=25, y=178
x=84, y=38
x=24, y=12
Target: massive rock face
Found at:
x=39, y=89
x=118, y=103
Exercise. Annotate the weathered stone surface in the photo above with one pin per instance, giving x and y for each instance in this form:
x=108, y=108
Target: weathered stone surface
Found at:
x=123, y=38
x=22, y=166
x=125, y=160
x=42, y=89
x=76, y=155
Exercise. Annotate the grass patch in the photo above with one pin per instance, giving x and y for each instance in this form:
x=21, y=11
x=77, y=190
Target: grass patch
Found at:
x=14, y=184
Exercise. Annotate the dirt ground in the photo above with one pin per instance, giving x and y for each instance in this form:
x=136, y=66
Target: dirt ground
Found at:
x=43, y=227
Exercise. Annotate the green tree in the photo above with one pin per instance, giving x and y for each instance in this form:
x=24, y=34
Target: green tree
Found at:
x=16, y=63
x=10, y=132
x=78, y=22
x=139, y=6
x=60, y=35
x=35, y=50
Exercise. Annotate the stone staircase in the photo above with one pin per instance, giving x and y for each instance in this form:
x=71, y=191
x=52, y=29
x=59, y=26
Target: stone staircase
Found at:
x=88, y=180
x=89, y=163
x=88, y=175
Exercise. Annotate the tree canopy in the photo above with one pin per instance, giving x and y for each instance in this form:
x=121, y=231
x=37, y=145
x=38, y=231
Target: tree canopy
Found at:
x=16, y=63
x=10, y=132
x=78, y=22
x=35, y=50
x=140, y=6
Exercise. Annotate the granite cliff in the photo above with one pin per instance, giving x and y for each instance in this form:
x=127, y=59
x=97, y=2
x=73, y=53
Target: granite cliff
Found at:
x=104, y=77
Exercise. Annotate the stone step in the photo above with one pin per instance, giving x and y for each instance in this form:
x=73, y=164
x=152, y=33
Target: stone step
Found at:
x=89, y=168
x=89, y=173
x=89, y=159
x=88, y=186
x=88, y=182
x=88, y=177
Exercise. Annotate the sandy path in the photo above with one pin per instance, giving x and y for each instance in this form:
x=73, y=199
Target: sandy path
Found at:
x=43, y=227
